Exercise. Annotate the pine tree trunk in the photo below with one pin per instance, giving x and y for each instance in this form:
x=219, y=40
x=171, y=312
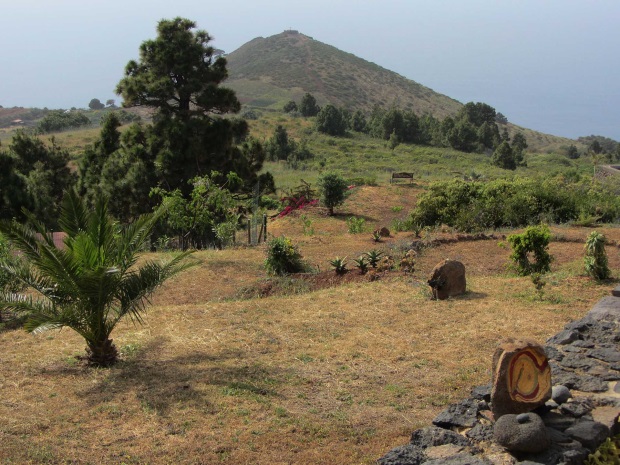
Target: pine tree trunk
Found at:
x=102, y=353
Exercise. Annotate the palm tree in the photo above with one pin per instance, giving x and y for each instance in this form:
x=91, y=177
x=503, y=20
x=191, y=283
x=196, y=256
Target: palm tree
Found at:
x=91, y=283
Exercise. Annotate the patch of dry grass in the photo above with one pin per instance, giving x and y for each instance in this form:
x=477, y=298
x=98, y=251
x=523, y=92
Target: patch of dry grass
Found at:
x=339, y=375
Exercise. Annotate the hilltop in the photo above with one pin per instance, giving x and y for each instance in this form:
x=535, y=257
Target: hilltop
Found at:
x=269, y=71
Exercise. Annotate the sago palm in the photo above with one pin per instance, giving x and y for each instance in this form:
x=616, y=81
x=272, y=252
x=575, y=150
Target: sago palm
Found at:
x=91, y=283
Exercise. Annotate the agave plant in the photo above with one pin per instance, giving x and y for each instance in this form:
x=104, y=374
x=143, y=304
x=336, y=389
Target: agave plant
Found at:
x=362, y=264
x=91, y=283
x=339, y=265
x=373, y=257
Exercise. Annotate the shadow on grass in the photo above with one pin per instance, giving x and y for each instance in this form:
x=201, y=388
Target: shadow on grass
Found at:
x=183, y=380
x=470, y=295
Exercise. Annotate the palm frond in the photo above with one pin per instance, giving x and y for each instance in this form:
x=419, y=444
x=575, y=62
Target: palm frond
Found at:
x=101, y=228
x=134, y=236
x=22, y=237
x=29, y=277
x=74, y=214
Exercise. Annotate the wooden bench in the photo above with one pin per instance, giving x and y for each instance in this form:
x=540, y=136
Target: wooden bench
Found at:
x=402, y=176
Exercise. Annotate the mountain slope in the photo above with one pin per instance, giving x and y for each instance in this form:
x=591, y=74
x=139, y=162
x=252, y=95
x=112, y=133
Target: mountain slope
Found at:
x=267, y=72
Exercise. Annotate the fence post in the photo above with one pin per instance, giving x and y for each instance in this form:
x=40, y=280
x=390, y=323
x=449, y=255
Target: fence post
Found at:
x=265, y=227
x=249, y=231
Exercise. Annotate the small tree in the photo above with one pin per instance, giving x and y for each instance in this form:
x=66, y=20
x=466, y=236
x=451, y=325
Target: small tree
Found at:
x=358, y=121
x=333, y=188
x=533, y=241
x=290, y=106
x=279, y=147
x=500, y=118
x=331, y=121
x=519, y=144
x=93, y=282
x=595, y=260
x=95, y=104
x=393, y=141
x=572, y=152
x=504, y=157
x=308, y=106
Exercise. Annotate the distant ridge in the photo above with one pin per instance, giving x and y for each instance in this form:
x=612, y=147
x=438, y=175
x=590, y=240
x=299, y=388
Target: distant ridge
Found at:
x=268, y=72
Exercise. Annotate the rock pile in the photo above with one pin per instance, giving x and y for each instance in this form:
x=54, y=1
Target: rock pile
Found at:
x=584, y=408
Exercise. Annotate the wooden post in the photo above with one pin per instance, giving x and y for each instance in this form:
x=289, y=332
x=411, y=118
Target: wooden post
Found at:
x=249, y=231
x=265, y=227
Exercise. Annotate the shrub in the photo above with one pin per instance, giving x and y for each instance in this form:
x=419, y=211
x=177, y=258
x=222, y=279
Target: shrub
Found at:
x=283, y=257
x=333, y=189
x=595, y=260
x=370, y=180
x=533, y=241
x=355, y=225
x=59, y=120
x=307, y=225
x=471, y=206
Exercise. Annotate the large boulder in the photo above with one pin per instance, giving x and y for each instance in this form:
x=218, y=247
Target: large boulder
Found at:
x=447, y=279
x=521, y=378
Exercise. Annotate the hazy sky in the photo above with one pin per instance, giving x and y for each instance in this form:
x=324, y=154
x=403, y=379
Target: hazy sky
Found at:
x=550, y=65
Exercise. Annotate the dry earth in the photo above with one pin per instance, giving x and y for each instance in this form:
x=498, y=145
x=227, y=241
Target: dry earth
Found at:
x=338, y=375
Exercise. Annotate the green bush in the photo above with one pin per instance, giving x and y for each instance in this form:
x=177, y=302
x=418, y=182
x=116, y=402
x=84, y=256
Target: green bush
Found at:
x=307, y=225
x=472, y=206
x=534, y=241
x=283, y=257
x=59, y=120
x=355, y=225
x=595, y=260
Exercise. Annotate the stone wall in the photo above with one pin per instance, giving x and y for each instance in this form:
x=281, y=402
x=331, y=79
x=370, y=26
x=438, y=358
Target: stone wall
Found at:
x=583, y=411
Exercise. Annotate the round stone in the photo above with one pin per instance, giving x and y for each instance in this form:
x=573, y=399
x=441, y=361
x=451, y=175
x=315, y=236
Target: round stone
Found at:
x=560, y=394
x=530, y=436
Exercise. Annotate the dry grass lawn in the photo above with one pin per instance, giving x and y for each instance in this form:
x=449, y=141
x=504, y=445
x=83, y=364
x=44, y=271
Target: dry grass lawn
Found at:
x=335, y=376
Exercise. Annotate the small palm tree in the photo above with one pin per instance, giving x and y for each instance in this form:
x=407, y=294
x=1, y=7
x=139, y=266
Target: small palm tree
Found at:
x=91, y=283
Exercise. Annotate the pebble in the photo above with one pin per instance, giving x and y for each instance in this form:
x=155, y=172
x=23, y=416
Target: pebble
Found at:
x=560, y=394
x=523, y=418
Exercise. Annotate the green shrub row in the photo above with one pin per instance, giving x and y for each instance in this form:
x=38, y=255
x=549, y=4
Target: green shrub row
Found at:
x=475, y=206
